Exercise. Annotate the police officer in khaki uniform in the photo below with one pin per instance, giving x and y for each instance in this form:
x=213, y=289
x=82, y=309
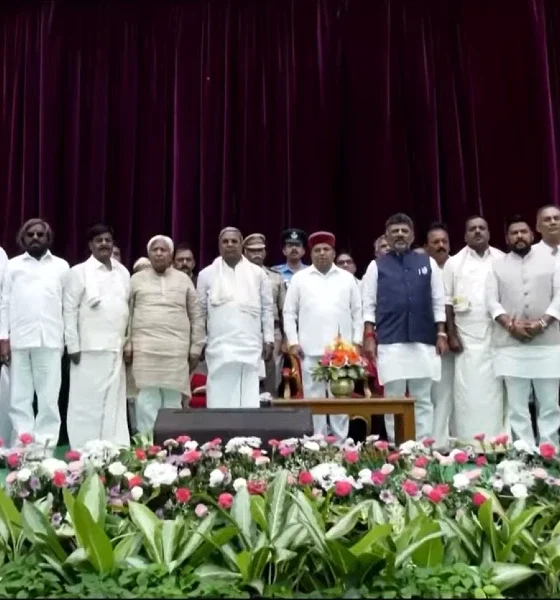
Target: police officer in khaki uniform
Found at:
x=254, y=247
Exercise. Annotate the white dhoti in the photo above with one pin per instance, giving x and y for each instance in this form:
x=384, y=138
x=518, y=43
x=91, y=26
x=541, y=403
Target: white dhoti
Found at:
x=233, y=356
x=36, y=370
x=319, y=389
x=97, y=400
x=414, y=367
x=5, y=422
x=442, y=399
x=479, y=405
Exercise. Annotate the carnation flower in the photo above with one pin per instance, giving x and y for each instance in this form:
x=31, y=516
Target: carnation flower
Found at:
x=239, y=483
x=225, y=500
x=182, y=495
x=547, y=450
x=201, y=510
x=216, y=478
x=305, y=478
x=59, y=479
x=312, y=446
x=50, y=466
x=26, y=439
x=136, y=493
x=461, y=482
x=387, y=469
x=343, y=488
x=24, y=475
x=479, y=498
x=351, y=456
x=518, y=490
x=160, y=474
x=117, y=469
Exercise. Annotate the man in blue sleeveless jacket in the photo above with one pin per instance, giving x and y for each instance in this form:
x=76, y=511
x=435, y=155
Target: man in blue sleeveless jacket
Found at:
x=404, y=314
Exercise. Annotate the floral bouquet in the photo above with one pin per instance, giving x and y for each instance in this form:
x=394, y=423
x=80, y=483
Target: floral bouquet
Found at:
x=340, y=362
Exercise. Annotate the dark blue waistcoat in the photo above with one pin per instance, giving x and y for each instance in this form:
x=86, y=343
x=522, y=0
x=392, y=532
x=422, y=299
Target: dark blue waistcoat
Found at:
x=404, y=310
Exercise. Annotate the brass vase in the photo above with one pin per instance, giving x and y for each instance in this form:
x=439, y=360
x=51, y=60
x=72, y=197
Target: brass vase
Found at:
x=342, y=388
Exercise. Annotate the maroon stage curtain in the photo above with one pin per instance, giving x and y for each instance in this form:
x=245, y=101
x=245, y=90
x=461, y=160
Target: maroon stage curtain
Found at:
x=182, y=117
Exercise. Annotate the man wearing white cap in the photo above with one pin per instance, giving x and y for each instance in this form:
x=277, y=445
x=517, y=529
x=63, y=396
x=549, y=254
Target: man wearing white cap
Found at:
x=95, y=305
x=237, y=302
x=322, y=301
x=254, y=247
x=167, y=333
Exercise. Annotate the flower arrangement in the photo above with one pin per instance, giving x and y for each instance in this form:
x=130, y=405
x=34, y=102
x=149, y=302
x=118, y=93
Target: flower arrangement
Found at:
x=341, y=360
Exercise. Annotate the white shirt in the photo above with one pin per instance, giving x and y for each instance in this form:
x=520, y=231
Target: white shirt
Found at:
x=96, y=325
x=3, y=263
x=31, y=309
x=405, y=360
x=318, y=306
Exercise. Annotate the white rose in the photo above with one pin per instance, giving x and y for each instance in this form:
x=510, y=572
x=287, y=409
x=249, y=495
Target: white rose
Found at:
x=184, y=473
x=239, y=483
x=313, y=446
x=460, y=482
x=245, y=450
x=216, y=478
x=136, y=492
x=518, y=490
x=261, y=460
x=160, y=474
x=117, y=469
x=190, y=445
x=24, y=475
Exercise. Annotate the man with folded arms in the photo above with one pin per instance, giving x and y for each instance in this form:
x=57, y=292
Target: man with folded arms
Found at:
x=323, y=300
x=95, y=322
x=237, y=303
x=404, y=316
x=523, y=297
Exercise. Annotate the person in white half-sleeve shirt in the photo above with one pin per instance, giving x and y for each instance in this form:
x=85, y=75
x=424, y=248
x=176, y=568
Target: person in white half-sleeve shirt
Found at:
x=236, y=298
x=477, y=391
x=548, y=225
x=523, y=297
x=5, y=425
x=323, y=300
x=437, y=246
x=96, y=317
x=404, y=314
x=32, y=333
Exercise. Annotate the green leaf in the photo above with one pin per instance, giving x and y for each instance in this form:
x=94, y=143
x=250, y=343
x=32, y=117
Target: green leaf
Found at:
x=193, y=540
x=129, y=546
x=507, y=575
x=376, y=514
x=150, y=527
x=276, y=499
x=243, y=561
x=171, y=534
x=77, y=557
x=347, y=523
x=430, y=553
x=96, y=542
x=486, y=520
x=343, y=560
x=468, y=541
x=216, y=573
x=258, y=512
x=40, y=532
x=308, y=517
x=372, y=537
x=93, y=496
x=10, y=516
x=241, y=514
x=405, y=554
x=259, y=560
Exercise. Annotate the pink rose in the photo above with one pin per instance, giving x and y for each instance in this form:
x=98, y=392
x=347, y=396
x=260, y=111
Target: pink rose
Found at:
x=479, y=437
x=480, y=461
x=410, y=488
x=342, y=488
x=305, y=478
x=436, y=496
x=422, y=462
x=479, y=498
x=378, y=478
x=428, y=442
x=201, y=510
x=286, y=451
x=192, y=456
x=547, y=450
x=381, y=445
x=26, y=438
x=351, y=456
x=502, y=439
x=225, y=500
x=461, y=457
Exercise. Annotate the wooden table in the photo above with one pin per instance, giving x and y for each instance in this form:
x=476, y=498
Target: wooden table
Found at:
x=402, y=408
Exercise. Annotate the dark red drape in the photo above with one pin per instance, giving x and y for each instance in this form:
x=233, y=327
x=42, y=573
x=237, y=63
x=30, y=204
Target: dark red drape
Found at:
x=182, y=117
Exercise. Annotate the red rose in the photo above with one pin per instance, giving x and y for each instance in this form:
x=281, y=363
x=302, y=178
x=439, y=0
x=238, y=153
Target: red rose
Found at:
x=305, y=478
x=481, y=460
x=26, y=439
x=428, y=442
x=59, y=479
x=547, y=450
x=479, y=498
x=342, y=488
x=182, y=495
x=183, y=439
x=225, y=500
x=135, y=481
x=422, y=462
x=72, y=455
x=436, y=496
x=460, y=457
x=140, y=454
x=13, y=460
x=256, y=487
x=153, y=450
x=378, y=478
x=351, y=456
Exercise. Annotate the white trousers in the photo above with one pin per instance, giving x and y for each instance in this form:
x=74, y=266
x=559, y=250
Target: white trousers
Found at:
x=97, y=400
x=442, y=399
x=548, y=411
x=150, y=401
x=421, y=391
x=5, y=422
x=319, y=389
x=233, y=385
x=36, y=370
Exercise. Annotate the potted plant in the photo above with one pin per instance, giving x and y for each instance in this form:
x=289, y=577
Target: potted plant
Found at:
x=341, y=365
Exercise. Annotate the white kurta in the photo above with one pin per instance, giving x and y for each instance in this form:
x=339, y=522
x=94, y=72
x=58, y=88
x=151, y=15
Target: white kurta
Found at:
x=319, y=306
x=5, y=423
x=237, y=303
x=479, y=405
x=412, y=360
x=96, y=317
x=31, y=318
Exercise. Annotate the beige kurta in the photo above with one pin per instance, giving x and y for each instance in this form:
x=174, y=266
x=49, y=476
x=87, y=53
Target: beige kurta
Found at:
x=167, y=324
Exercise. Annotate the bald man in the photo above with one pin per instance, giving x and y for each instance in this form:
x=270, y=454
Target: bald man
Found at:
x=236, y=297
x=167, y=333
